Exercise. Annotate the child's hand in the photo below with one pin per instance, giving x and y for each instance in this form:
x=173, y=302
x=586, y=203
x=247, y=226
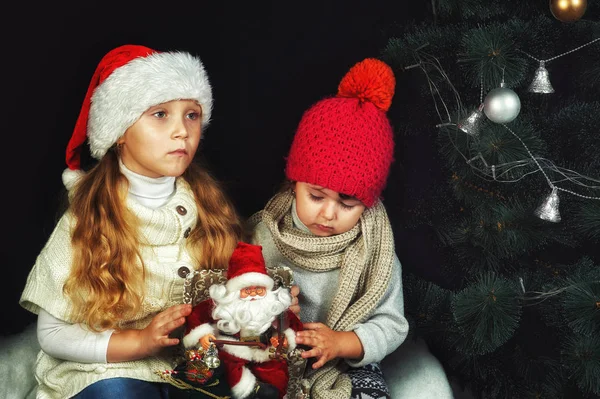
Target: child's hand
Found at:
x=324, y=341
x=156, y=335
x=294, y=307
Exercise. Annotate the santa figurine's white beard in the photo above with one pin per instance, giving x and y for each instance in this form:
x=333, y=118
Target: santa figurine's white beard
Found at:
x=234, y=314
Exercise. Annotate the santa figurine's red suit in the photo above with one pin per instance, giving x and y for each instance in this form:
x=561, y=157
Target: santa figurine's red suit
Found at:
x=248, y=311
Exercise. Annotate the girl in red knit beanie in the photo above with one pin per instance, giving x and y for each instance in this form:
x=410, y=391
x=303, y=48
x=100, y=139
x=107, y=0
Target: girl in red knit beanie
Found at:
x=330, y=227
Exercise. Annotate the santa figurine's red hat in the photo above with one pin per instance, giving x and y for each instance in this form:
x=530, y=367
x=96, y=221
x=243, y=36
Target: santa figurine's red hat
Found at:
x=247, y=268
x=128, y=80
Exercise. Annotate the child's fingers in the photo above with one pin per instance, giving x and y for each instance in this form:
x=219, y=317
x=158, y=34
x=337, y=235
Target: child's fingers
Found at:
x=186, y=309
x=173, y=313
x=177, y=310
x=314, y=352
x=174, y=324
x=307, y=337
x=180, y=310
x=295, y=309
x=319, y=363
x=318, y=353
x=313, y=326
x=166, y=341
x=294, y=291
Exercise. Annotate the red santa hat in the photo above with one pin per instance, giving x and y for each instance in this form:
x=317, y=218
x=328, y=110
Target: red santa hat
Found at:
x=128, y=80
x=247, y=268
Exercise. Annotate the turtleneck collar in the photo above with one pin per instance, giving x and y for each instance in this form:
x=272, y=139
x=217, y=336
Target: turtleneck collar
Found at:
x=152, y=192
x=296, y=219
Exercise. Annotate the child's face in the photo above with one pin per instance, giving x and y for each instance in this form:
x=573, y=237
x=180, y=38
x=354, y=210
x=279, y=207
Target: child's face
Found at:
x=164, y=140
x=324, y=211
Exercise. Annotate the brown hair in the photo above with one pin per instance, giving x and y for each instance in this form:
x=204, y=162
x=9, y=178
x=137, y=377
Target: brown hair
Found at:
x=106, y=282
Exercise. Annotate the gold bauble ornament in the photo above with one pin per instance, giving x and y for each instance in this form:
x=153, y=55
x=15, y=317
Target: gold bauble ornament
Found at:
x=568, y=10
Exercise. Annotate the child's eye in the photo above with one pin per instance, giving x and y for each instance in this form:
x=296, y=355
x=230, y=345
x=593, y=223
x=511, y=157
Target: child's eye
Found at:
x=160, y=114
x=314, y=197
x=347, y=207
x=193, y=115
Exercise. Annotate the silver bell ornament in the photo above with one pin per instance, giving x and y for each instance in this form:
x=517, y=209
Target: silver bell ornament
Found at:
x=501, y=105
x=211, y=357
x=541, y=81
x=549, y=208
x=472, y=123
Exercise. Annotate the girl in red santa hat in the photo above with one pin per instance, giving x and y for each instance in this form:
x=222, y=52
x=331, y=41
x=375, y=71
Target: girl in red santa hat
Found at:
x=329, y=226
x=108, y=285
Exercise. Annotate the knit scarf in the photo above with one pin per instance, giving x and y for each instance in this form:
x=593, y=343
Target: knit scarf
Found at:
x=364, y=255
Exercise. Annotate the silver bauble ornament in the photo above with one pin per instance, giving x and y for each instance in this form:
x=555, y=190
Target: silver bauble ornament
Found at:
x=211, y=358
x=501, y=105
x=549, y=208
x=472, y=123
x=541, y=81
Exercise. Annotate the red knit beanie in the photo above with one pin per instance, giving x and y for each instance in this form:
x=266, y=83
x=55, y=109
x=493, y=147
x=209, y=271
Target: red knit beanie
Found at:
x=345, y=143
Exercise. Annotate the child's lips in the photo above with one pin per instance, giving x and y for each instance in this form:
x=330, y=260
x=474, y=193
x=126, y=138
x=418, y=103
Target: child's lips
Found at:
x=179, y=152
x=324, y=228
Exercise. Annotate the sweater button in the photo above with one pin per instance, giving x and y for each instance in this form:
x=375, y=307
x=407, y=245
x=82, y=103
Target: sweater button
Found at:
x=181, y=210
x=183, y=271
x=100, y=369
x=187, y=232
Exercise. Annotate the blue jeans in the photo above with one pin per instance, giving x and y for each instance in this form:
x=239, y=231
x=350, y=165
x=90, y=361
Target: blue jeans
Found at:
x=124, y=388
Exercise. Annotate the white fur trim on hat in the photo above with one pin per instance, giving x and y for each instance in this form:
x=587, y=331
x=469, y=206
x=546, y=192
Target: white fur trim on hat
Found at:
x=245, y=385
x=70, y=177
x=140, y=84
x=248, y=279
x=191, y=339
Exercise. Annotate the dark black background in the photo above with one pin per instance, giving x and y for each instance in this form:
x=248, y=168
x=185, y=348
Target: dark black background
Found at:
x=267, y=62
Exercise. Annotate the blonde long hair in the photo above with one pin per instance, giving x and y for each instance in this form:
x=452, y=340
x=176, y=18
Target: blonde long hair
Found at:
x=106, y=282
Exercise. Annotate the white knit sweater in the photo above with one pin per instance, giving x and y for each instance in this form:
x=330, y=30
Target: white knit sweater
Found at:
x=164, y=231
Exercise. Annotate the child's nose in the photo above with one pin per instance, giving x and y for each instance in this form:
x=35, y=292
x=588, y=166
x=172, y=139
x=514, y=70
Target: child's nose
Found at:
x=328, y=211
x=180, y=130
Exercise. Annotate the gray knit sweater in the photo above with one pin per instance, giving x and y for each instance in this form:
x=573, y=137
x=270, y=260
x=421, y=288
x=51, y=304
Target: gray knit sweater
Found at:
x=380, y=335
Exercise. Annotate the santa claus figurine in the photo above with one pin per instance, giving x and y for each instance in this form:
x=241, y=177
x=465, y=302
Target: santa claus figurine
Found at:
x=251, y=324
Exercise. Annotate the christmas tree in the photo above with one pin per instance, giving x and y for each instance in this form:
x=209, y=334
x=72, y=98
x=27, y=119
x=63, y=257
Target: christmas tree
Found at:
x=498, y=102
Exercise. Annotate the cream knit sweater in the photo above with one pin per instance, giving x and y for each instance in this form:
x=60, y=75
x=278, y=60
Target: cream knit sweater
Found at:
x=164, y=231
